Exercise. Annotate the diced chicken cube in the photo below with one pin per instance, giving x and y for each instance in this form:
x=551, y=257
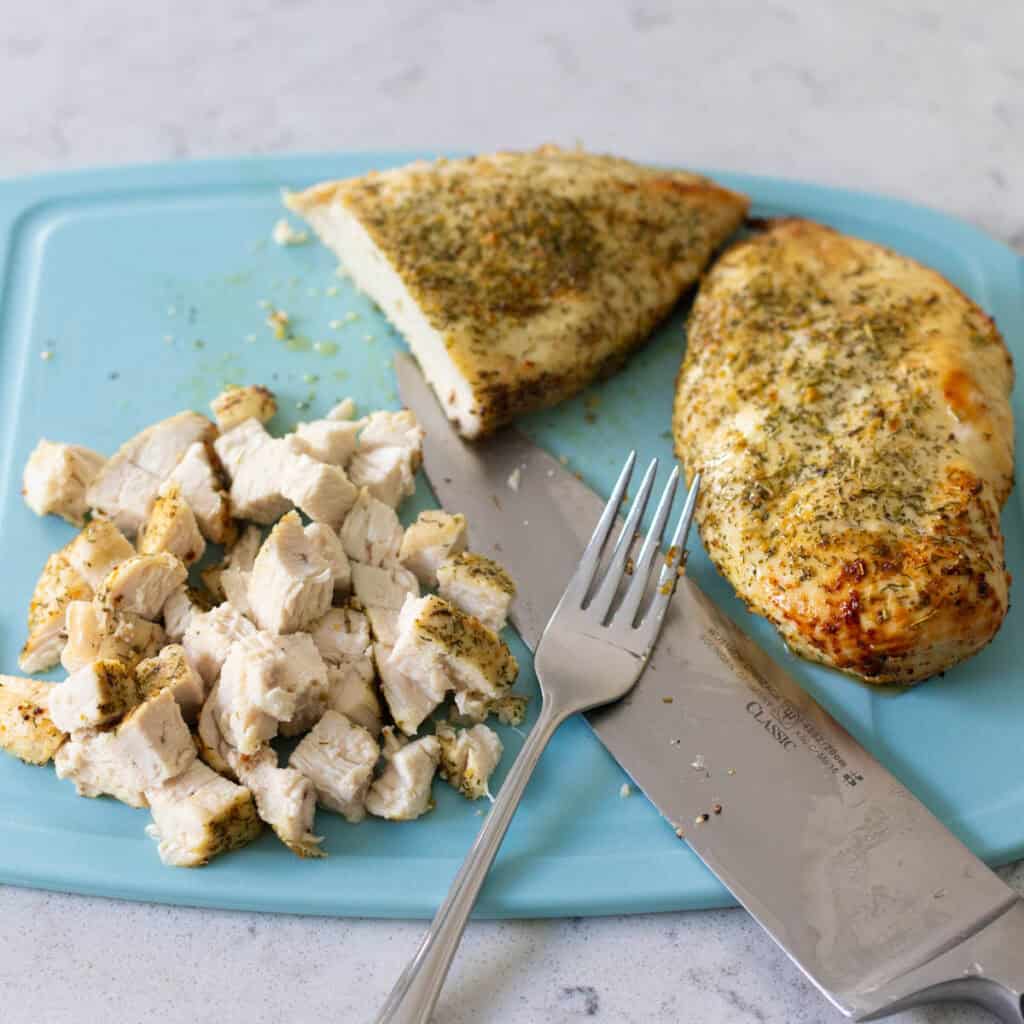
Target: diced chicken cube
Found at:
x=268, y=680
x=393, y=430
x=258, y=481
x=383, y=586
x=402, y=792
x=56, y=477
x=142, y=585
x=178, y=609
x=382, y=591
x=127, y=484
x=95, y=695
x=156, y=739
x=329, y=440
x=285, y=800
x=199, y=814
x=436, y=637
x=341, y=635
x=305, y=676
x=200, y=485
x=98, y=763
x=209, y=637
x=172, y=527
x=26, y=729
x=468, y=758
x=291, y=584
x=58, y=586
x=97, y=634
x=351, y=691
x=171, y=672
x=235, y=405
x=388, y=474
x=322, y=491
x=328, y=544
x=472, y=707
x=234, y=446
x=434, y=537
x=338, y=757
x=344, y=410
x=250, y=699
x=477, y=585
x=124, y=493
x=99, y=549
x=409, y=698
x=371, y=533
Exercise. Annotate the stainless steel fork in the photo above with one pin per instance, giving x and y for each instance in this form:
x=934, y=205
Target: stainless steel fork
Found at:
x=591, y=653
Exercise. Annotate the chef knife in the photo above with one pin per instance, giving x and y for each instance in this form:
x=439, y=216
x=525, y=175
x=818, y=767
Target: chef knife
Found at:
x=866, y=891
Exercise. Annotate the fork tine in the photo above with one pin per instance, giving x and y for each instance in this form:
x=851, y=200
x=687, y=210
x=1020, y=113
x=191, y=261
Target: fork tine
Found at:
x=602, y=600
x=626, y=612
x=578, y=586
x=650, y=625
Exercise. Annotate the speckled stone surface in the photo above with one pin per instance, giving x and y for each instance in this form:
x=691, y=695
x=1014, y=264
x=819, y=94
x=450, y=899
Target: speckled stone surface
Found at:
x=921, y=100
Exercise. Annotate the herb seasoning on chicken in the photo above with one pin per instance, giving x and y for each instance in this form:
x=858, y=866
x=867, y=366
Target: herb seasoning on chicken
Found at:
x=848, y=411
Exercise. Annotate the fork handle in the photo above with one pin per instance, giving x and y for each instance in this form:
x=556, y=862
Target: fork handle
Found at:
x=412, y=999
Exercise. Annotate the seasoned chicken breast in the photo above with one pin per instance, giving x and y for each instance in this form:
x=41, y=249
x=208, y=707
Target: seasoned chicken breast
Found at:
x=849, y=411
x=517, y=278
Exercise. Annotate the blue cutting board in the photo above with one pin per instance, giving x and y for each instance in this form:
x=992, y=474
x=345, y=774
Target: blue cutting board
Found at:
x=130, y=294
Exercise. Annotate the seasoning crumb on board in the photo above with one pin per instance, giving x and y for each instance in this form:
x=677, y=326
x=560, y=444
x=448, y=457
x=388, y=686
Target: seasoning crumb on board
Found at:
x=625, y=790
x=279, y=321
x=284, y=234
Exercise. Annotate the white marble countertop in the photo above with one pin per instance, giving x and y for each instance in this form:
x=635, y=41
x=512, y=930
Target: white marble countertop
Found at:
x=922, y=100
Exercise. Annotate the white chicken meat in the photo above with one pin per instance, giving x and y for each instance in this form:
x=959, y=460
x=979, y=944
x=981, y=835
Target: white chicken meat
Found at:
x=199, y=814
x=478, y=586
x=371, y=533
x=291, y=584
x=434, y=536
x=338, y=757
x=56, y=478
x=402, y=791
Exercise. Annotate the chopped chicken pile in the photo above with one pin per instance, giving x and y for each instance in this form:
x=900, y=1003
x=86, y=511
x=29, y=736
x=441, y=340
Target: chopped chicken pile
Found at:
x=319, y=622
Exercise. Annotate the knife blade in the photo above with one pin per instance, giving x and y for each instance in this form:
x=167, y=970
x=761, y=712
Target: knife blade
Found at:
x=866, y=891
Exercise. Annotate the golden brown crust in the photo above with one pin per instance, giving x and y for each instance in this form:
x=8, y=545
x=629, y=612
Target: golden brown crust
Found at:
x=848, y=409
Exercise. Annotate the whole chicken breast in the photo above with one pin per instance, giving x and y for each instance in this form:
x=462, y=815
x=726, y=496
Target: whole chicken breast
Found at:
x=848, y=409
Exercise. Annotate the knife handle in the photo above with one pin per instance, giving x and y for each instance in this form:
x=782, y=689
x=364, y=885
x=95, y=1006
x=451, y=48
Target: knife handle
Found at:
x=987, y=968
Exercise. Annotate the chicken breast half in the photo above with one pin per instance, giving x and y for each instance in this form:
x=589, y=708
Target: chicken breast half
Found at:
x=518, y=278
x=849, y=412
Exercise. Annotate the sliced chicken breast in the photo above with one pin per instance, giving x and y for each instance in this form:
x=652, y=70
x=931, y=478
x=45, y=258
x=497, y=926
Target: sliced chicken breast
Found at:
x=517, y=278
